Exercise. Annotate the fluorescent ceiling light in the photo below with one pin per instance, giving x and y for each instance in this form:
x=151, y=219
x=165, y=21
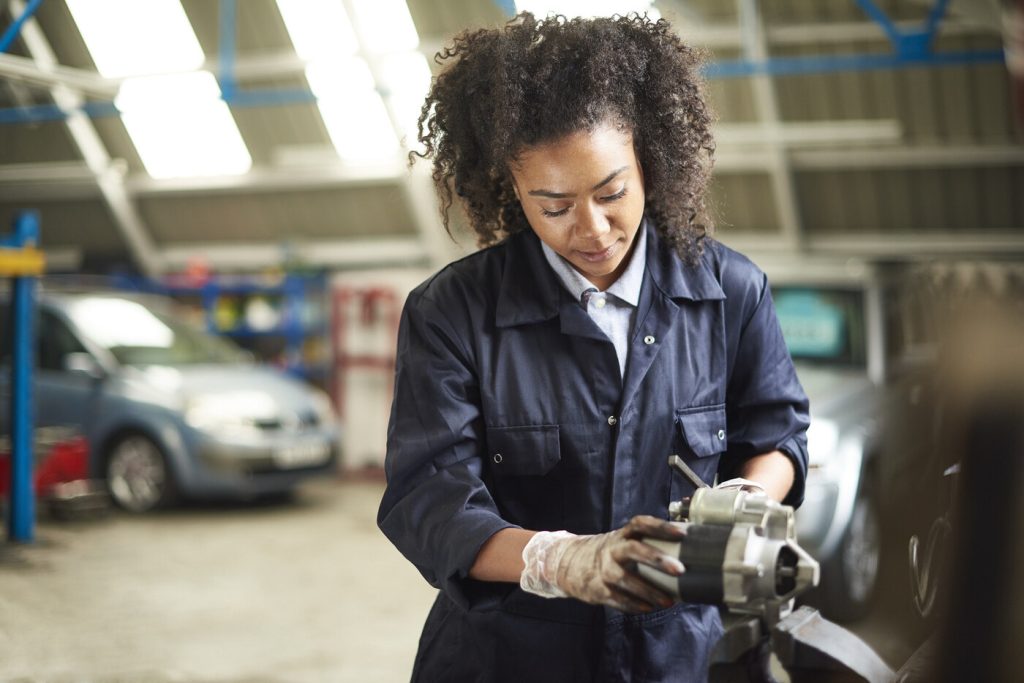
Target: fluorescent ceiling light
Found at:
x=587, y=8
x=179, y=124
x=181, y=127
x=129, y=37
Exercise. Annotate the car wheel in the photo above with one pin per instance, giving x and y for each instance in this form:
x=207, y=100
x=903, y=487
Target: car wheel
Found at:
x=138, y=477
x=849, y=578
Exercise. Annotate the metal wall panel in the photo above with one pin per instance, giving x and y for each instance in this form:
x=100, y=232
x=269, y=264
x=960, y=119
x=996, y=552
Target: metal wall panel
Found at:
x=907, y=201
x=743, y=203
x=257, y=217
x=36, y=143
x=86, y=225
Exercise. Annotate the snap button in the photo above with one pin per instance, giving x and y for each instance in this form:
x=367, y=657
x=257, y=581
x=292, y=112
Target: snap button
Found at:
x=497, y=458
x=721, y=435
x=612, y=420
x=648, y=339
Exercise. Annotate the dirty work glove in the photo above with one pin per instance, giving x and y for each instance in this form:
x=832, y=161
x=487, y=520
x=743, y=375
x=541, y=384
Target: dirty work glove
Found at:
x=601, y=569
x=743, y=485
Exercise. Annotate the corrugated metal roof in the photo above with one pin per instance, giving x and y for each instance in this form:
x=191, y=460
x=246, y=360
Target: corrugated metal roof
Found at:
x=841, y=187
x=259, y=217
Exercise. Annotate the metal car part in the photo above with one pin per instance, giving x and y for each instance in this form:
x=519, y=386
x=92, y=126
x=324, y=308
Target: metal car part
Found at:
x=740, y=550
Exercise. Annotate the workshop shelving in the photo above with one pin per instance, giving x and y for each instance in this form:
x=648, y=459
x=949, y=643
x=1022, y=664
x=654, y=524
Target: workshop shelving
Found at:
x=280, y=318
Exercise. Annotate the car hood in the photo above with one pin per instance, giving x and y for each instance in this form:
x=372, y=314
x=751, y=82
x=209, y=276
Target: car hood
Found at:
x=181, y=383
x=832, y=390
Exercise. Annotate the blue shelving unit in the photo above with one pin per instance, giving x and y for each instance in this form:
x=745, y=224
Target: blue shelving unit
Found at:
x=301, y=304
x=24, y=263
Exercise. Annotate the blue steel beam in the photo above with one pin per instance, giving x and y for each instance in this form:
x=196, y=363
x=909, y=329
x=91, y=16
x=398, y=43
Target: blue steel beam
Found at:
x=226, y=48
x=21, y=518
x=7, y=39
x=911, y=43
x=508, y=7
x=881, y=18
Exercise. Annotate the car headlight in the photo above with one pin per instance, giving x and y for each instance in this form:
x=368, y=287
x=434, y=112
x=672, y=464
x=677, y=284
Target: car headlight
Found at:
x=822, y=441
x=239, y=411
x=323, y=407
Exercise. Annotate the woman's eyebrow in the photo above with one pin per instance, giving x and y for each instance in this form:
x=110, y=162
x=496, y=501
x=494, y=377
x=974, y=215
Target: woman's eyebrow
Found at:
x=563, y=195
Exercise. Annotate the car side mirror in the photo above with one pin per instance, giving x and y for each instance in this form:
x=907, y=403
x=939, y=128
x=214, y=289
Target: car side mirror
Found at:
x=84, y=364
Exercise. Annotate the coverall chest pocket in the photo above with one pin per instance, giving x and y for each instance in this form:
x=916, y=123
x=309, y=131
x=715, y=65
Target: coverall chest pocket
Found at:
x=702, y=439
x=525, y=480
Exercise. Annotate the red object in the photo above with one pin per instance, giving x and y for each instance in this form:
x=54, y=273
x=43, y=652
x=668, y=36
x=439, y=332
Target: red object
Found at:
x=64, y=462
x=375, y=306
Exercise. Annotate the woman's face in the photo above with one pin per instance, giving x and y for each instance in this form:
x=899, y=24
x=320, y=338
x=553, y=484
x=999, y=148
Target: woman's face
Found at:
x=584, y=197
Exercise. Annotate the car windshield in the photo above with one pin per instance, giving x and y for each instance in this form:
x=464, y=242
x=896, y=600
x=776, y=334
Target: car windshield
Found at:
x=137, y=335
x=822, y=326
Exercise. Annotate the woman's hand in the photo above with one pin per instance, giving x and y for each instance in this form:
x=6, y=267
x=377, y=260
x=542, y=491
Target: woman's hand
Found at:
x=601, y=569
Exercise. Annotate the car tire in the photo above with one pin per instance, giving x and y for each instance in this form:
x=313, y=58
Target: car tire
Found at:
x=138, y=476
x=849, y=578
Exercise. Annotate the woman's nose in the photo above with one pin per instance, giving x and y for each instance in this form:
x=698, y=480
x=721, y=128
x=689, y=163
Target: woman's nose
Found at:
x=591, y=222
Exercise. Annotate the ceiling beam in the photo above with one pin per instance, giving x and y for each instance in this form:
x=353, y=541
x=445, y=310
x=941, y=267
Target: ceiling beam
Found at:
x=271, y=178
x=954, y=156
x=876, y=244
x=350, y=254
x=755, y=49
x=74, y=180
x=26, y=70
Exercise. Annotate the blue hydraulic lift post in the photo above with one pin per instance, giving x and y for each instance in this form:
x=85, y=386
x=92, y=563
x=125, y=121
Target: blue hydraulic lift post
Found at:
x=21, y=516
x=15, y=28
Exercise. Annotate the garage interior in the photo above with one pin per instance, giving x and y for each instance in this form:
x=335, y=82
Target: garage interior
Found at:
x=244, y=162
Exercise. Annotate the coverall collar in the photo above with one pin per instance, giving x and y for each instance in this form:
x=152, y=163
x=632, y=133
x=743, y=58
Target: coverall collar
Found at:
x=530, y=289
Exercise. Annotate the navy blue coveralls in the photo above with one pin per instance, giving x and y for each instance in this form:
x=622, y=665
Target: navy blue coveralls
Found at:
x=509, y=410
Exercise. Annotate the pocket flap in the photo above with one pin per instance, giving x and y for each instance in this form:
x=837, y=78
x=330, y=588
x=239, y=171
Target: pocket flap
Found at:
x=530, y=450
x=703, y=429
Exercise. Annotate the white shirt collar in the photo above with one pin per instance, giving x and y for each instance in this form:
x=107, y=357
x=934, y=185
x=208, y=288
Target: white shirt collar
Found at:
x=626, y=288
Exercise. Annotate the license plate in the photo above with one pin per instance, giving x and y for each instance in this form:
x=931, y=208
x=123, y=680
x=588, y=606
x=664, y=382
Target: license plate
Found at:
x=303, y=454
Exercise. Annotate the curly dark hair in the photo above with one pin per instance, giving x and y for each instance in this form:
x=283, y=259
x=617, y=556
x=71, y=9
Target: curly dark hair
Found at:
x=534, y=81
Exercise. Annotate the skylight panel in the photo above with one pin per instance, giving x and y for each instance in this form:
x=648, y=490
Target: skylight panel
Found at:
x=181, y=127
x=386, y=25
x=177, y=120
x=587, y=8
x=353, y=110
x=406, y=78
x=351, y=102
x=129, y=37
x=319, y=29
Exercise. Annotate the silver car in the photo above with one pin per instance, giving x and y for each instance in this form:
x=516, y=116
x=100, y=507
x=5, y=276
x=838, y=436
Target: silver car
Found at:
x=170, y=410
x=833, y=328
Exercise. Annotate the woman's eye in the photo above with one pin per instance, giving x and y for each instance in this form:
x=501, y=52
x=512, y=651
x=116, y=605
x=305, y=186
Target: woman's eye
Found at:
x=612, y=197
x=554, y=214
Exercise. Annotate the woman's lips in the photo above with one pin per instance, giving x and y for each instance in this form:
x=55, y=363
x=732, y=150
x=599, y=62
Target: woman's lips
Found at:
x=599, y=256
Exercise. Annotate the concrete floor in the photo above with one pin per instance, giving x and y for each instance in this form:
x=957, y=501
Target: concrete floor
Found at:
x=305, y=590
x=295, y=591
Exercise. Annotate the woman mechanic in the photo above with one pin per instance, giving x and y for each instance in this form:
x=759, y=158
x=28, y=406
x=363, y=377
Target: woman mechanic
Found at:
x=543, y=381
